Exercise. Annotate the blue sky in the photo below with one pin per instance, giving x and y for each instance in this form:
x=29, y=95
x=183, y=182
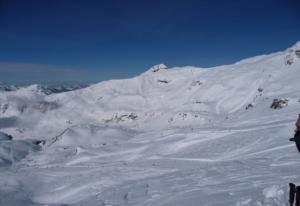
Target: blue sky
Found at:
x=88, y=41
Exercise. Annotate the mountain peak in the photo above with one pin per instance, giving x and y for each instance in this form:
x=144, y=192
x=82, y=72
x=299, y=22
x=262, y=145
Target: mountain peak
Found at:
x=158, y=67
x=295, y=47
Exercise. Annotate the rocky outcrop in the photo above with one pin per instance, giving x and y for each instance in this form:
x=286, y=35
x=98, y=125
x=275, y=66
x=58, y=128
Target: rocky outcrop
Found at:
x=297, y=52
x=158, y=67
x=279, y=103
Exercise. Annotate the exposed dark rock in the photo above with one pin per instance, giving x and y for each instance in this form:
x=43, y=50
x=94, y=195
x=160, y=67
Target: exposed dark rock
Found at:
x=249, y=106
x=3, y=108
x=44, y=106
x=39, y=142
x=260, y=89
x=279, y=103
x=22, y=108
x=289, y=61
x=163, y=81
x=196, y=83
x=132, y=116
x=158, y=67
x=297, y=52
x=63, y=88
x=124, y=117
x=183, y=115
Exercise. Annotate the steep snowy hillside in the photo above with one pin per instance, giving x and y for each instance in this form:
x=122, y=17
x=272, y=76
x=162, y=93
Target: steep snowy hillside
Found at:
x=170, y=136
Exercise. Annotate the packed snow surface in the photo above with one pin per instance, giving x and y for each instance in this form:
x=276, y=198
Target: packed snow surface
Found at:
x=168, y=137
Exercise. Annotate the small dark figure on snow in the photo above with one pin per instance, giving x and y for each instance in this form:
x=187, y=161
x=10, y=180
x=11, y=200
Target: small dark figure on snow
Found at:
x=298, y=196
x=296, y=138
x=292, y=193
x=298, y=125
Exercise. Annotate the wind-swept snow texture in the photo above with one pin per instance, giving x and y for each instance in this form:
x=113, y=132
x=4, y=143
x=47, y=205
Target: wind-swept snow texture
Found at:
x=169, y=137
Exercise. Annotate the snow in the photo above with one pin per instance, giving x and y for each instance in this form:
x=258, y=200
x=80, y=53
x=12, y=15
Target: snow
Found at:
x=170, y=136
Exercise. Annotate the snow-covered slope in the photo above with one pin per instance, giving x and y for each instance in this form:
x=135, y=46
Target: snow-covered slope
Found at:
x=170, y=136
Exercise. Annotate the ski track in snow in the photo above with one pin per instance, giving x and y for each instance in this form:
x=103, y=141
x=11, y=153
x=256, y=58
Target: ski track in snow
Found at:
x=172, y=137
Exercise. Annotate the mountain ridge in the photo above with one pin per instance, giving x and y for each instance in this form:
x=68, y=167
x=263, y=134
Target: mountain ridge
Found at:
x=168, y=137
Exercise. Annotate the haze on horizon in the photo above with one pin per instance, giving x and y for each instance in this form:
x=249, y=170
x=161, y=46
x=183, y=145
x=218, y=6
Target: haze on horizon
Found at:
x=90, y=41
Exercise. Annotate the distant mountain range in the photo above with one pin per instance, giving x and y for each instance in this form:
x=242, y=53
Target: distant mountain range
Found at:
x=45, y=88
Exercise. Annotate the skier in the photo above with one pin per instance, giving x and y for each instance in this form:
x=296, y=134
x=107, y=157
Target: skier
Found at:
x=298, y=196
x=296, y=138
x=292, y=193
x=295, y=190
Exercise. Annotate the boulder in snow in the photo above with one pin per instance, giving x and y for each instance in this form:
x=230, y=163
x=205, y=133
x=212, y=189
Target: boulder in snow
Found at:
x=158, y=67
x=289, y=60
x=3, y=108
x=163, y=81
x=260, y=89
x=279, y=103
x=297, y=52
x=249, y=106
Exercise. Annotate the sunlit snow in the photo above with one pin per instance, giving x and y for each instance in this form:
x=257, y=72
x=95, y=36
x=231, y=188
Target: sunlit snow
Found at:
x=181, y=136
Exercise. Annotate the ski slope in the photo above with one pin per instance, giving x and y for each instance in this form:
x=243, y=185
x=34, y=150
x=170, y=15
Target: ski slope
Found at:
x=168, y=137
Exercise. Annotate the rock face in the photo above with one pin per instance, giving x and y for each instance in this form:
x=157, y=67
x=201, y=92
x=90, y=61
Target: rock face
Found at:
x=249, y=106
x=3, y=107
x=158, y=67
x=279, y=103
x=297, y=52
x=163, y=81
x=63, y=88
x=289, y=60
